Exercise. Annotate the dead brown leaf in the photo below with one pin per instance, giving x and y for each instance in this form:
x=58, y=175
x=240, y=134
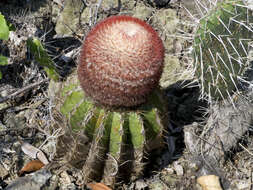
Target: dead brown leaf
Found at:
x=98, y=186
x=31, y=166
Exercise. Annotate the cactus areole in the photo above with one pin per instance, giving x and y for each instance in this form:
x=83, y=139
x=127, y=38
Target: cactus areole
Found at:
x=121, y=61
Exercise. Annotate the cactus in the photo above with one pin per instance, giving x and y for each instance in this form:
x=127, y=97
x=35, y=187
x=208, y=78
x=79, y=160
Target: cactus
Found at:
x=114, y=110
x=221, y=47
x=221, y=51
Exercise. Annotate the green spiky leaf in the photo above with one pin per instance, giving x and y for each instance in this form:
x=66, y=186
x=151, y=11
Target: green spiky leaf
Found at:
x=42, y=57
x=4, y=29
x=3, y=60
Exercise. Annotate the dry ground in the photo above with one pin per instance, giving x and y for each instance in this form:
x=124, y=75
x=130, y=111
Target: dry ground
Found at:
x=25, y=115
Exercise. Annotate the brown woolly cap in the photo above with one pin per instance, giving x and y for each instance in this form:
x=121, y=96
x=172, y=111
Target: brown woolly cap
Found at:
x=121, y=61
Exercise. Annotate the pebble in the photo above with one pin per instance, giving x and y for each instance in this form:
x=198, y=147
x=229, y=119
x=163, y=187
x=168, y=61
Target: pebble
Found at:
x=169, y=171
x=2, y=126
x=3, y=171
x=193, y=165
x=178, y=168
x=66, y=177
x=241, y=185
x=140, y=184
x=158, y=185
x=7, y=138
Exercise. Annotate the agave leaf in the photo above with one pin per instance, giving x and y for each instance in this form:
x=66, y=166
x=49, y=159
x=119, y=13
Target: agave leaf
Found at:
x=42, y=57
x=4, y=29
x=3, y=60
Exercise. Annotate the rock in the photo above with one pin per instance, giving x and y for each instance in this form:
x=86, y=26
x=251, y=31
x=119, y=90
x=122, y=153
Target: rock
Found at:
x=2, y=126
x=170, y=179
x=30, y=182
x=242, y=184
x=158, y=185
x=178, y=168
x=15, y=121
x=170, y=171
x=173, y=71
x=3, y=171
x=108, y=5
x=209, y=182
x=166, y=20
x=64, y=175
x=68, y=20
x=140, y=184
x=142, y=12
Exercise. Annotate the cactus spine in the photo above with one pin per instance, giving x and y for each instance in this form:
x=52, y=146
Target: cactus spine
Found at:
x=113, y=103
x=221, y=49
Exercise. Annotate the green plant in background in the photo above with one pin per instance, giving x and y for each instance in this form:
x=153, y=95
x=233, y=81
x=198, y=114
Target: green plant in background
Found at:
x=221, y=46
x=4, y=35
x=42, y=57
x=114, y=111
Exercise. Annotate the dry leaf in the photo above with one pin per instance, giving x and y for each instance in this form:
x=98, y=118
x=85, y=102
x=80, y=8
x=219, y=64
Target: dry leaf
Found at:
x=209, y=182
x=30, y=150
x=31, y=166
x=41, y=156
x=98, y=186
x=34, y=152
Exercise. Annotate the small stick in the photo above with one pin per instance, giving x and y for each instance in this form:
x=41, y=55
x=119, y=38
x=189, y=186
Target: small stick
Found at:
x=22, y=90
x=251, y=180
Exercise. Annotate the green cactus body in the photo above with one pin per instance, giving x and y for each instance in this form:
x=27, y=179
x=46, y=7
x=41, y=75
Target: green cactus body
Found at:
x=221, y=49
x=117, y=138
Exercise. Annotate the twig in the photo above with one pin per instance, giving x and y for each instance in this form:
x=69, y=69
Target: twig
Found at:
x=22, y=90
x=251, y=180
x=248, y=151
